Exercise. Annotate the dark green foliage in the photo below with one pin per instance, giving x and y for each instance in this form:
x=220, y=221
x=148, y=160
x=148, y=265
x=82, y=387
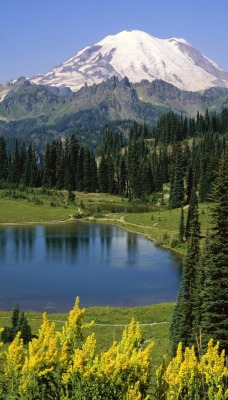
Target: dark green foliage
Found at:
x=122, y=177
x=189, y=184
x=93, y=173
x=87, y=170
x=71, y=197
x=186, y=314
x=29, y=167
x=72, y=162
x=3, y=159
x=60, y=166
x=19, y=323
x=47, y=171
x=176, y=198
x=15, y=316
x=215, y=287
x=80, y=172
x=7, y=335
x=103, y=175
x=202, y=305
x=15, y=166
x=192, y=216
x=24, y=328
x=182, y=226
x=135, y=168
x=210, y=151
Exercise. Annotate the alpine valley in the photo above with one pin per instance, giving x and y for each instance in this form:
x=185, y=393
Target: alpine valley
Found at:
x=124, y=77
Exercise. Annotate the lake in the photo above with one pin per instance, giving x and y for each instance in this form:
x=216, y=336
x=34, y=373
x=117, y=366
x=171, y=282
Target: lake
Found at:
x=44, y=268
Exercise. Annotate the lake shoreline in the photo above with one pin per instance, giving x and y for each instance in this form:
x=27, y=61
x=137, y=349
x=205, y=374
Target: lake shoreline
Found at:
x=118, y=223
x=97, y=221
x=127, y=257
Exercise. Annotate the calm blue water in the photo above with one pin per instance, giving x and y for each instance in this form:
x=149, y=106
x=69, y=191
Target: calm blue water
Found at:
x=46, y=267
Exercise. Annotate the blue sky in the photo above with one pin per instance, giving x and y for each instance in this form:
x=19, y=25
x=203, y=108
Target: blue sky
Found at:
x=36, y=35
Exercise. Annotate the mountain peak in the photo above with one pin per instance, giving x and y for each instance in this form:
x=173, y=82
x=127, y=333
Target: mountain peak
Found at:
x=137, y=55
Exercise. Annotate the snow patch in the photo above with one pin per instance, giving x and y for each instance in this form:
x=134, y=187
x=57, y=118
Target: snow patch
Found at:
x=137, y=55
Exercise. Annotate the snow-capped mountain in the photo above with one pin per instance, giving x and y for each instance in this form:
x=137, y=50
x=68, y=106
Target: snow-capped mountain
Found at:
x=138, y=56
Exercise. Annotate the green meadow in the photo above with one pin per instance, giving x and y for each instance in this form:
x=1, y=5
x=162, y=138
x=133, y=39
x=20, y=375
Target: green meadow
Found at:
x=49, y=206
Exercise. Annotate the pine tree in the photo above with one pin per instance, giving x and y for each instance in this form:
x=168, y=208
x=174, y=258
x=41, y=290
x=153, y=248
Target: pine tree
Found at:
x=93, y=173
x=182, y=226
x=183, y=327
x=47, y=171
x=15, y=317
x=60, y=167
x=80, y=171
x=133, y=162
x=189, y=184
x=192, y=211
x=215, y=289
x=122, y=177
x=30, y=170
x=3, y=159
x=103, y=175
x=24, y=328
x=15, y=166
x=73, y=160
x=87, y=170
x=18, y=323
x=177, y=185
x=111, y=175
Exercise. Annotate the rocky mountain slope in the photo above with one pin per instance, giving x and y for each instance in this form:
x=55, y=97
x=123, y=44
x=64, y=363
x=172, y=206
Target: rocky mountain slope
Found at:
x=113, y=99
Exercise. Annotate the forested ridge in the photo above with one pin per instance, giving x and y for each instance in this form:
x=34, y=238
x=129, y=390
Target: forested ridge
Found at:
x=176, y=152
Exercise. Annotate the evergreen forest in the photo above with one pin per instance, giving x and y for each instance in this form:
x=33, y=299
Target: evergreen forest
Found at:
x=176, y=154
x=178, y=164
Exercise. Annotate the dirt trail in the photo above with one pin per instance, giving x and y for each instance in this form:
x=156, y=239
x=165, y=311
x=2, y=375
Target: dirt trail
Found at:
x=106, y=325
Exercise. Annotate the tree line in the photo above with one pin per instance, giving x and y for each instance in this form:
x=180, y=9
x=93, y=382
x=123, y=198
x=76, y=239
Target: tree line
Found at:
x=135, y=167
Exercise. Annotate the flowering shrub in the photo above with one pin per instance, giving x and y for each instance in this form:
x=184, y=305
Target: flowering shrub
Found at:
x=188, y=378
x=63, y=365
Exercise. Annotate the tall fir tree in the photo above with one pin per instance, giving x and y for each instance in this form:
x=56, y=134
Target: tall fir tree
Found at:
x=93, y=173
x=47, y=169
x=73, y=161
x=183, y=326
x=103, y=175
x=60, y=167
x=87, y=170
x=176, y=198
x=215, y=288
x=192, y=210
x=80, y=170
x=3, y=159
x=182, y=226
x=15, y=171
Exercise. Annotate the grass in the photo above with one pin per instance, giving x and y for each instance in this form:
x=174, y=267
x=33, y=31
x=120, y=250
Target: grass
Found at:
x=105, y=335
x=37, y=206
x=34, y=208
x=159, y=226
